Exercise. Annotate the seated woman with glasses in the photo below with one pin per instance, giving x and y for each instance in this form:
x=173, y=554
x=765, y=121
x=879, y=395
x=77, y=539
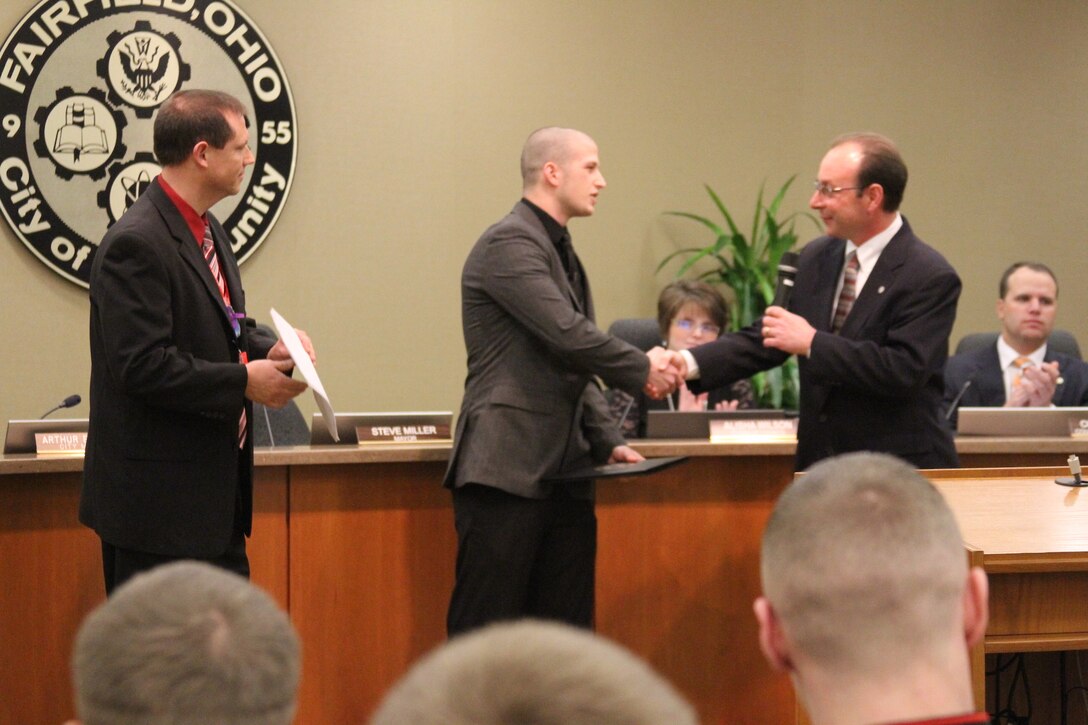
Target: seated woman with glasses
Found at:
x=689, y=313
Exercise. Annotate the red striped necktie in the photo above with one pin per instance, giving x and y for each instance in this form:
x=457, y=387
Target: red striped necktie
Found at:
x=208, y=248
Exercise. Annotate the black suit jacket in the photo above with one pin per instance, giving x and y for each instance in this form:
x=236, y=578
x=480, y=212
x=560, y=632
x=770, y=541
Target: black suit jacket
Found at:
x=877, y=385
x=531, y=409
x=163, y=471
x=982, y=368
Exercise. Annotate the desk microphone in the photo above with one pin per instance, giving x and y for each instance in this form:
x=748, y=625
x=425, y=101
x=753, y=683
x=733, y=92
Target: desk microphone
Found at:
x=70, y=402
x=959, y=396
x=1074, y=468
x=787, y=273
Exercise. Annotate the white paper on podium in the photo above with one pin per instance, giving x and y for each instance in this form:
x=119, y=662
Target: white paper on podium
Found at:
x=305, y=366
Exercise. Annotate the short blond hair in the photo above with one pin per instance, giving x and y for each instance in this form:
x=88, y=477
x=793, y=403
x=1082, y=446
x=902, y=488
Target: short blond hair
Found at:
x=551, y=143
x=864, y=564
x=532, y=673
x=187, y=644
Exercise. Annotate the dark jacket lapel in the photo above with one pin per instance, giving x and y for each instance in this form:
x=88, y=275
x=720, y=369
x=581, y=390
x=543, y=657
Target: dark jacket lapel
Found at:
x=189, y=251
x=880, y=280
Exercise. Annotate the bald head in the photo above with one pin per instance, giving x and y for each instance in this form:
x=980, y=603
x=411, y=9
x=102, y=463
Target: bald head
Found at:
x=864, y=565
x=552, y=143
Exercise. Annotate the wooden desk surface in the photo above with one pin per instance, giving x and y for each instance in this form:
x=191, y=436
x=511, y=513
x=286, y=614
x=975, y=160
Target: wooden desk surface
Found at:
x=1031, y=537
x=1039, y=451
x=1021, y=519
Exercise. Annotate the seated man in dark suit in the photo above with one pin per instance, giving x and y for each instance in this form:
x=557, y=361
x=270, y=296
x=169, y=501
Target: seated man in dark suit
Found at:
x=1020, y=370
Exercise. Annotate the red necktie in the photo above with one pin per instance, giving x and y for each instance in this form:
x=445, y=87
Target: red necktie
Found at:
x=848, y=294
x=208, y=248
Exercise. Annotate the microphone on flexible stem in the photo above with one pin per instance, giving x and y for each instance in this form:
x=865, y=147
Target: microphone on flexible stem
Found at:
x=959, y=396
x=787, y=273
x=69, y=402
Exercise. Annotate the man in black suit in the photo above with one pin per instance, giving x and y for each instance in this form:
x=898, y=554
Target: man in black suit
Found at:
x=175, y=364
x=1020, y=370
x=869, y=318
x=531, y=410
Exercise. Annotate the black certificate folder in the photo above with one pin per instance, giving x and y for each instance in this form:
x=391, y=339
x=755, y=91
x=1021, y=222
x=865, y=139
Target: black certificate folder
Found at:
x=613, y=470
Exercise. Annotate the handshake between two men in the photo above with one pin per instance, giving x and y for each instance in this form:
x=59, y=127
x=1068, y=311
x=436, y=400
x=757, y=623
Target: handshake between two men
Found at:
x=667, y=372
x=780, y=328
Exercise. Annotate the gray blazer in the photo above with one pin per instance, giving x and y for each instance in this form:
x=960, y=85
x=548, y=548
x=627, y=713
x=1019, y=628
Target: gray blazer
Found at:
x=531, y=408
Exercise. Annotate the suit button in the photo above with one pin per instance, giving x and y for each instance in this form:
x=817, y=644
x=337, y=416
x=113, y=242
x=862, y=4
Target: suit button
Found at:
x=823, y=418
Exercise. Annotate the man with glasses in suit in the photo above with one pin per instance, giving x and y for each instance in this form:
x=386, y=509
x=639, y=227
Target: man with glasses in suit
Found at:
x=869, y=320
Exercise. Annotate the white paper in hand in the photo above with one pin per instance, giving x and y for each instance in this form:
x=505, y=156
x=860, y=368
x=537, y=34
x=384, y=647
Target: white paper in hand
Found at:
x=306, y=368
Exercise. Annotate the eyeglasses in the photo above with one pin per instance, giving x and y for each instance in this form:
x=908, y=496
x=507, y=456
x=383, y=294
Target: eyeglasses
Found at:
x=707, y=328
x=827, y=190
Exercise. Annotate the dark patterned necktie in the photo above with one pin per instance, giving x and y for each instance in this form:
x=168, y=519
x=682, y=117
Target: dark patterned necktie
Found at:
x=848, y=293
x=570, y=265
x=208, y=248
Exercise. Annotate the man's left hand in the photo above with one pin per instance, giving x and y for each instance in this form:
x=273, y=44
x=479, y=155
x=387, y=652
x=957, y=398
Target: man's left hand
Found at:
x=279, y=350
x=625, y=454
x=786, y=331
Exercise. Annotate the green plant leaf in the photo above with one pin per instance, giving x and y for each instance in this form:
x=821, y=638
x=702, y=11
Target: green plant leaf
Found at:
x=748, y=266
x=718, y=231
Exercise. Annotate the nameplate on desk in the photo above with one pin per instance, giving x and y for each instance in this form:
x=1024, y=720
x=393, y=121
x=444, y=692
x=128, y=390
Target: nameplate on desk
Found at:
x=24, y=436
x=395, y=427
x=758, y=429
x=406, y=433
x=74, y=442
x=1033, y=422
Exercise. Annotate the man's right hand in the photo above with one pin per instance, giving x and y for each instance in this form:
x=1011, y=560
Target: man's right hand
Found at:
x=267, y=383
x=667, y=370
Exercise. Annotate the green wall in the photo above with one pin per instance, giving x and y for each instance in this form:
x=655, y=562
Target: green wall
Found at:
x=411, y=119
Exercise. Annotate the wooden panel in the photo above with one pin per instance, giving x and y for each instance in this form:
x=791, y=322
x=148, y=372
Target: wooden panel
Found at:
x=678, y=570
x=52, y=576
x=1032, y=538
x=267, y=547
x=371, y=570
x=1039, y=604
x=362, y=554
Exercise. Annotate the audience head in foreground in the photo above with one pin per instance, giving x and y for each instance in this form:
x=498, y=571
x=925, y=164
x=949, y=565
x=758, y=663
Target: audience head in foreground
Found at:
x=183, y=644
x=532, y=673
x=868, y=602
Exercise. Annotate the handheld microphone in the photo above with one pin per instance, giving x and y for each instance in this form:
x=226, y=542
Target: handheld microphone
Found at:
x=787, y=273
x=959, y=396
x=70, y=402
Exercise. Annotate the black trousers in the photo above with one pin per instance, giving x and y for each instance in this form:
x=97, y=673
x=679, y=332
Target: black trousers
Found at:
x=119, y=564
x=522, y=557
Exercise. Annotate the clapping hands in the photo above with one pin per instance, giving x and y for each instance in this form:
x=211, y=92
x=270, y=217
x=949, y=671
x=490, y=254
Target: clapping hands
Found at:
x=1036, y=386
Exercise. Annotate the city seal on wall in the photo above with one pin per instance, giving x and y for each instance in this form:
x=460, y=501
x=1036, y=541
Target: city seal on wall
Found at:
x=80, y=81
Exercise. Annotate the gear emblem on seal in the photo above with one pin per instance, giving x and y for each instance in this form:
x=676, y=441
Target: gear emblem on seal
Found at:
x=80, y=133
x=142, y=67
x=128, y=180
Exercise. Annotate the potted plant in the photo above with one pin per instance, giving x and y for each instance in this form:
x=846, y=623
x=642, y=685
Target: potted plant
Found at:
x=748, y=267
